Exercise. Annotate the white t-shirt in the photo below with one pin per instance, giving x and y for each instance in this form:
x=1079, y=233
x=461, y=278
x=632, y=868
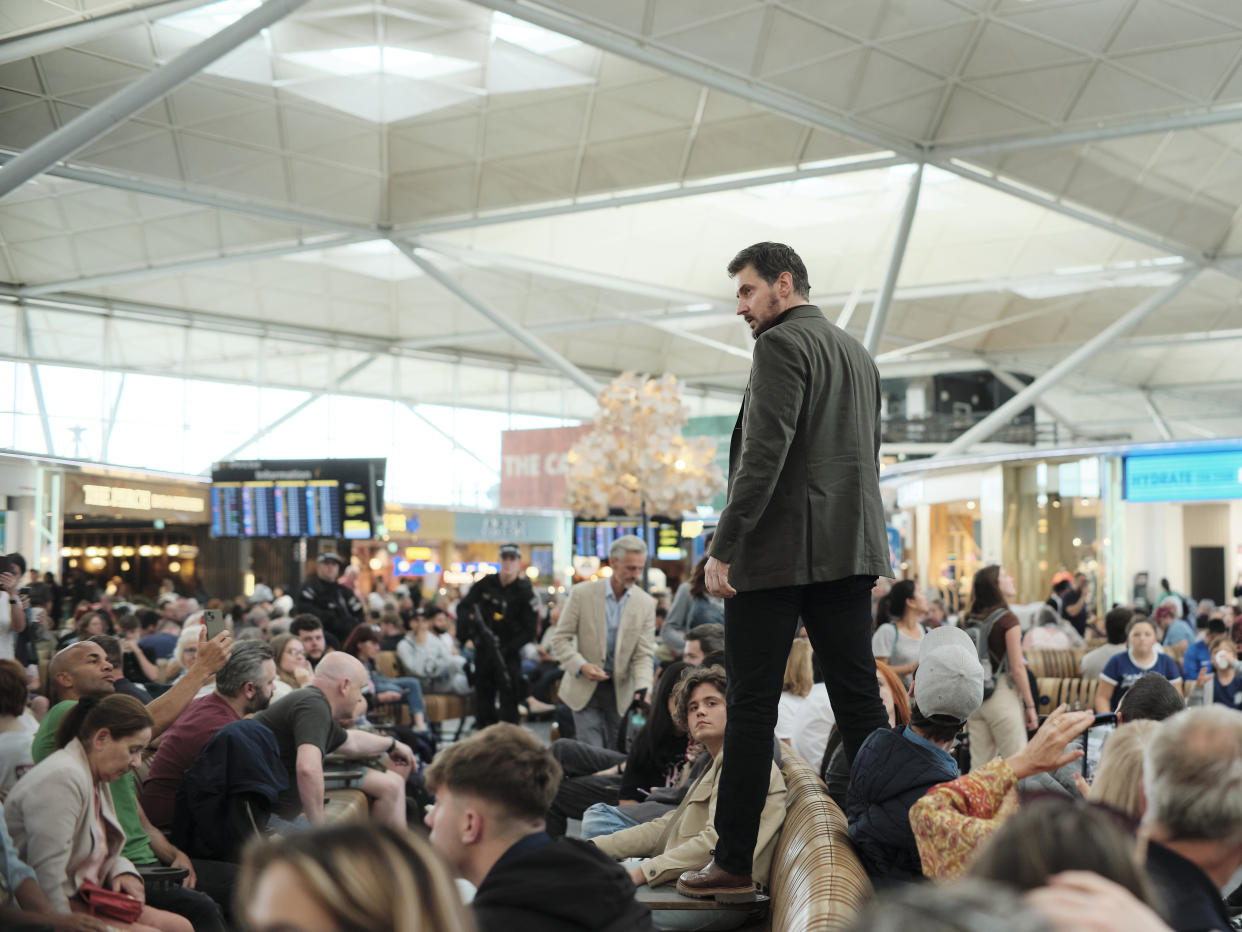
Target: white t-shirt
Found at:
x=15, y=757
x=787, y=712
x=812, y=725
x=8, y=650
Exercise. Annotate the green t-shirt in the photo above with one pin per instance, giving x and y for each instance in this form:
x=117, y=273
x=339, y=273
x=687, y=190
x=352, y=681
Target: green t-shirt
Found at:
x=124, y=791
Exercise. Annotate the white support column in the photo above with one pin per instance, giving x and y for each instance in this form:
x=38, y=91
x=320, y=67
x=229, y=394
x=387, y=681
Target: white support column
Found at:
x=517, y=332
x=107, y=433
x=1162, y=426
x=36, y=380
x=879, y=310
x=1016, y=385
x=1002, y=415
x=86, y=127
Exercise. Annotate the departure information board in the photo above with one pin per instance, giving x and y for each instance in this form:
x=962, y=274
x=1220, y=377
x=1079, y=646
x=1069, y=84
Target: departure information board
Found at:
x=595, y=538
x=298, y=498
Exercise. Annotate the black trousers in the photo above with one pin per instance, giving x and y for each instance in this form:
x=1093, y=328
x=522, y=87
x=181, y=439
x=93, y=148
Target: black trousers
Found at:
x=759, y=629
x=580, y=788
x=489, y=683
x=198, y=907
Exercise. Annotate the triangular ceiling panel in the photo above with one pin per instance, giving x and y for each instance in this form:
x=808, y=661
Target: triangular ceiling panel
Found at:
x=154, y=154
x=1090, y=27
x=1196, y=70
x=26, y=124
x=1113, y=93
x=381, y=98
x=793, y=40
x=940, y=51
x=21, y=76
x=904, y=16
x=909, y=117
x=1156, y=24
x=674, y=15
x=1044, y=92
x=511, y=69
x=1001, y=50
x=885, y=79
x=971, y=115
x=731, y=41
x=829, y=82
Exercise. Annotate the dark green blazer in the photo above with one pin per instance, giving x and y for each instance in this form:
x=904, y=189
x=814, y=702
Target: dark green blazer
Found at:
x=804, y=490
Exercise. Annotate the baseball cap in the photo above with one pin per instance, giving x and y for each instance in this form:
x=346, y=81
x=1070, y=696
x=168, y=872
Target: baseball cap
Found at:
x=510, y=550
x=329, y=556
x=949, y=678
x=1062, y=576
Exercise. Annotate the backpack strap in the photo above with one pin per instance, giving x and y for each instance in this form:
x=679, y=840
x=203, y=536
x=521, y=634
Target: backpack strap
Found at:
x=987, y=625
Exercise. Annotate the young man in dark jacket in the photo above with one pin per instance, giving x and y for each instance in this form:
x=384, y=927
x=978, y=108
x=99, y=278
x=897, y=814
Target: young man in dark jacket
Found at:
x=492, y=792
x=896, y=766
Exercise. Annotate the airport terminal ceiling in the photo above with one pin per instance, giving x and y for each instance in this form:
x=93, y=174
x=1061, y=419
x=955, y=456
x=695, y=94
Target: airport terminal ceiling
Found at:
x=498, y=205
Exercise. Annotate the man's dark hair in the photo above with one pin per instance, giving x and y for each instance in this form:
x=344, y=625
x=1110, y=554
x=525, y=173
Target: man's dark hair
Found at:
x=1115, y=624
x=710, y=636
x=149, y=619
x=503, y=764
x=1062, y=586
x=934, y=728
x=245, y=665
x=1151, y=697
x=769, y=260
x=691, y=679
x=19, y=561
x=661, y=611
x=713, y=658
x=304, y=622
x=127, y=623
x=1216, y=626
x=13, y=690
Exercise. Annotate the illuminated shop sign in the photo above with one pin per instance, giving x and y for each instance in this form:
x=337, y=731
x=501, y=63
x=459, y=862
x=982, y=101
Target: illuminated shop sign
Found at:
x=111, y=496
x=1184, y=477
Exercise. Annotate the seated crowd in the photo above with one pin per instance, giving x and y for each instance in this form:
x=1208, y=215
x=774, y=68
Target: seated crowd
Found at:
x=153, y=777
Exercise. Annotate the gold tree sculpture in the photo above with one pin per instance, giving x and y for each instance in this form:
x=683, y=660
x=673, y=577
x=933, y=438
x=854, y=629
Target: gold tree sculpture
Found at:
x=636, y=458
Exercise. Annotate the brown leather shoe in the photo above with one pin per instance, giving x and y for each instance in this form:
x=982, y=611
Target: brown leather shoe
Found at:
x=713, y=882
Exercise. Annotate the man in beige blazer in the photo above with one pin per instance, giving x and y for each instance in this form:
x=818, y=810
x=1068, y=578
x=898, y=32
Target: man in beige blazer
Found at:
x=614, y=624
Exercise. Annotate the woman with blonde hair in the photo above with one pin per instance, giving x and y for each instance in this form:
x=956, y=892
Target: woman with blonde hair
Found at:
x=293, y=670
x=350, y=877
x=799, y=678
x=1119, y=778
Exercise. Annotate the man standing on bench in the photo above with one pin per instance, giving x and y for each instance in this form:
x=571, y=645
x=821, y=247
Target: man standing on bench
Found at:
x=801, y=538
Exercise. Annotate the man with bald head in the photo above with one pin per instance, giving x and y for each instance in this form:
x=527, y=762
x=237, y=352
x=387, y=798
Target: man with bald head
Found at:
x=305, y=723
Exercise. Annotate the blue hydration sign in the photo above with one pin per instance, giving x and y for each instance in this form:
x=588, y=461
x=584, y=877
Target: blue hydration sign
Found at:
x=1184, y=477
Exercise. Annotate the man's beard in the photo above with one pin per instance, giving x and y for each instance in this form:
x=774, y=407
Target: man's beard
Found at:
x=774, y=306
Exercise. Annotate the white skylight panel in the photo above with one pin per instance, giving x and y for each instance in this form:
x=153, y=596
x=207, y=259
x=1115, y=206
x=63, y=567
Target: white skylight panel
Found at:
x=534, y=38
x=210, y=19
x=375, y=59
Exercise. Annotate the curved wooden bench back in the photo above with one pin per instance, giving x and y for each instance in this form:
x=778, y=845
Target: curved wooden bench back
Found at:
x=817, y=880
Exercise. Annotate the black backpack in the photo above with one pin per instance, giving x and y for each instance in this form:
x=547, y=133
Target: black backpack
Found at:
x=980, y=630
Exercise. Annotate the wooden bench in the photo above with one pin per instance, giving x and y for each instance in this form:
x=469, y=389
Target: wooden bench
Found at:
x=817, y=881
x=1076, y=692
x=342, y=805
x=441, y=707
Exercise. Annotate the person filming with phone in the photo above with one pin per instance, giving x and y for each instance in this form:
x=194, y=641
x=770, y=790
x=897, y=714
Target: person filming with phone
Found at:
x=12, y=612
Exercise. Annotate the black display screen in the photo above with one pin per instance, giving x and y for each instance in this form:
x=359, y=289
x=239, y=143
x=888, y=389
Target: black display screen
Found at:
x=298, y=498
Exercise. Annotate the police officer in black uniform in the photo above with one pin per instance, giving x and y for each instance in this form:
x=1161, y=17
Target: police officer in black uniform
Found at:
x=335, y=605
x=504, y=622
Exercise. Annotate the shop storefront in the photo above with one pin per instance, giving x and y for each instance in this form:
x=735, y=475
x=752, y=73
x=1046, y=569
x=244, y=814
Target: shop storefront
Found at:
x=445, y=548
x=127, y=531
x=1183, y=519
x=1035, y=515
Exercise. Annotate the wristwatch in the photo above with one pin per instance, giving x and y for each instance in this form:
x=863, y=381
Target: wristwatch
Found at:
x=392, y=747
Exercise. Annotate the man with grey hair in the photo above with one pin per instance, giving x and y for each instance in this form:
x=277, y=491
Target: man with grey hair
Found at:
x=243, y=687
x=1192, y=778
x=605, y=642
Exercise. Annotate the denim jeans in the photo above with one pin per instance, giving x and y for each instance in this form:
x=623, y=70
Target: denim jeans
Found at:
x=603, y=819
x=759, y=629
x=411, y=688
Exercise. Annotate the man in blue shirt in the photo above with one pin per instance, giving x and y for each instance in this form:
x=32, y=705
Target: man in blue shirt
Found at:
x=896, y=766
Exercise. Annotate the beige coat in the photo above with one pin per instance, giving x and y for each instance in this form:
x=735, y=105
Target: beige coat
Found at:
x=49, y=814
x=584, y=617
x=684, y=839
